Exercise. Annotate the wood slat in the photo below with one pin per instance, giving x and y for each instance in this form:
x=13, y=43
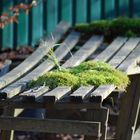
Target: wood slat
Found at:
x=66, y=11
x=101, y=93
x=33, y=94
x=131, y=63
x=81, y=93
x=56, y=94
x=58, y=105
x=37, y=31
x=47, y=65
x=124, y=52
x=136, y=136
x=51, y=13
x=95, y=12
x=81, y=18
x=50, y=125
x=34, y=58
x=82, y=54
x=111, y=49
x=91, y=45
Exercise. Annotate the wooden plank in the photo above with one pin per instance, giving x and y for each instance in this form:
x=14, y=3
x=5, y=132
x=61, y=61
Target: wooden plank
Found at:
x=50, y=106
x=56, y=94
x=124, y=52
x=22, y=29
x=101, y=93
x=50, y=125
x=47, y=65
x=34, y=58
x=111, y=49
x=32, y=94
x=91, y=45
x=101, y=115
x=81, y=93
x=5, y=134
x=37, y=15
x=95, y=12
x=51, y=13
x=123, y=7
x=136, y=136
x=135, y=109
x=131, y=64
x=7, y=42
x=66, y=10
x=125, y=113
x=110, y=9
x=136, y=12
x=81, y=5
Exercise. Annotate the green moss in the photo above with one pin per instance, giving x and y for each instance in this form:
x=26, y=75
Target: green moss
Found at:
x=121, y=26
x=130, y=33
x=56, y=78
x=87, y=73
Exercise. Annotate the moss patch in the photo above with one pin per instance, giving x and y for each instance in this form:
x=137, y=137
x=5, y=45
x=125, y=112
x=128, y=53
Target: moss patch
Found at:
x=121, y=26
x=87, y=73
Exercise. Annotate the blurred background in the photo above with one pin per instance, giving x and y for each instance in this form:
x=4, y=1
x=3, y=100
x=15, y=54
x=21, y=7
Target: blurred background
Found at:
x=42, y=19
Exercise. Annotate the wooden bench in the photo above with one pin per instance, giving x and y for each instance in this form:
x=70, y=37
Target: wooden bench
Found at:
x=78, y=112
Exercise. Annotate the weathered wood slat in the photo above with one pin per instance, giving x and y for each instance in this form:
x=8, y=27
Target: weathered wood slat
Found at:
x=131, y=63
x=116, y=60
x=136, y=136
x=91, y=45
x=50, y=125
x=34, y=58
x=77, y=58
x=101, y=93
x=81, y=93
x=47, y=65
x=32, y=94
x=58, y=105
x=111, y=49
x=124, y=52
x=56, y=94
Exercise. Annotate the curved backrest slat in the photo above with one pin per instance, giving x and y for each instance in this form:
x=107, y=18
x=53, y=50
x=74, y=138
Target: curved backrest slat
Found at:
x=34, y=58
x=47, y=65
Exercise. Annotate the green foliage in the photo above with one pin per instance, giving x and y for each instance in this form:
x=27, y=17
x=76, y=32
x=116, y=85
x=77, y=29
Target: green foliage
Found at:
x=56, y=78
x=111, y=28
x=87, y=73
x=51, y=55
x=130, y=33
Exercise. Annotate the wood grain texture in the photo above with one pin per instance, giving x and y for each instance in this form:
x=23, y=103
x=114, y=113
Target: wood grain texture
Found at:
x=56, y=94
x=33, y=94
x=121, y=55
x=136, y=136
x=47, y=65
x=90, y=46
x=111, y=49
x=101, y=93
x=123, y=127
x=81, y=93
x=131, y=64
x=34, y=58
x=50, y=125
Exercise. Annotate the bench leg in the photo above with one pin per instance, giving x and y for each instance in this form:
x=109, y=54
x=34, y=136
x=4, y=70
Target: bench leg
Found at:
x=129, y=110
x=100, y=115
x=7, y=135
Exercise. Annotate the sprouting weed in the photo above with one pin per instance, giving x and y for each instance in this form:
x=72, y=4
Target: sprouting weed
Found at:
x=51, y=54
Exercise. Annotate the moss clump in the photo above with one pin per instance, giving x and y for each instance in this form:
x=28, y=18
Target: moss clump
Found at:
x=56, y=78
x=121, y=26
x=87, y=73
